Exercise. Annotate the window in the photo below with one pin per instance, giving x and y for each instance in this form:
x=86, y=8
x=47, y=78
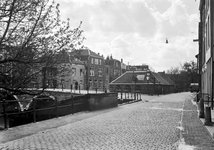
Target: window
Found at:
x=95, y=83
x=100, y=83
x=96, y=61
x=100, y=60
x=91, y=72
x=92, y=60
x=117, y=64
x=90, y=83
x=80, y=82
x=100, y=72
x=107, y=71
x=73, y=72
x=81, y=72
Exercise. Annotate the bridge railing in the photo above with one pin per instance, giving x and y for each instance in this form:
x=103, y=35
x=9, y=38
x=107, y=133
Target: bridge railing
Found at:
x=57, y=108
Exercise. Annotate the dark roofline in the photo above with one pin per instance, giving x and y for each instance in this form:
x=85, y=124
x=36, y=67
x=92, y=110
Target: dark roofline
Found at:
x=91, y=53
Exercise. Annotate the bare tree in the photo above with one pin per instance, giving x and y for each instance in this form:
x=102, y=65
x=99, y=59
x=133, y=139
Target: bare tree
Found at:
x=184, y=75
x=31, y=37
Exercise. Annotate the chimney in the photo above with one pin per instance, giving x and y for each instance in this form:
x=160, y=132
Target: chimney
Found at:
x=111, y=57
x=121, y=60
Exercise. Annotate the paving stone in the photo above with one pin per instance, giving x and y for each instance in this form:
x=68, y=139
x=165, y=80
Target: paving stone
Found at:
x=151, y=125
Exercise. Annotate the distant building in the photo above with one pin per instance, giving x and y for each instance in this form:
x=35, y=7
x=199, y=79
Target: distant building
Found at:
x=77, y=74
x=94, y=63
x=106, y=72
x=114, y=68
x=123, y=67
x=145, y=82
x=68, y=73
x=205, y=55
x=138, y=67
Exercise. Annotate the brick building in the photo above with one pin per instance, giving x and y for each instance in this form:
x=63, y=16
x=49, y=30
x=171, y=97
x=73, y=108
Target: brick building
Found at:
x=145, y=82
x=67, y=73
x=206, y=40
x=94, y=63
x=114, y=68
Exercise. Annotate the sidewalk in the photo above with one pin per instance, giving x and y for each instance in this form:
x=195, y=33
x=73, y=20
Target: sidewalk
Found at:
x=194, y=132
x=209, y=128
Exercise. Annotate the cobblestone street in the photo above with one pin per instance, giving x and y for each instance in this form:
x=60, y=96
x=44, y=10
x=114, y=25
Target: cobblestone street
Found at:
x=165, y=122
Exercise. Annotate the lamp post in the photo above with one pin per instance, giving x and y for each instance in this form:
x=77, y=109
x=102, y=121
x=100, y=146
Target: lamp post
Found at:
x=148, y=78
x=135, y=81
x=62, y=82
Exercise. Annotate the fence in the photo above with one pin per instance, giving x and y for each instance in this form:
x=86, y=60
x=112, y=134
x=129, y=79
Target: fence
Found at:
x=13, y=117
x=124, y=97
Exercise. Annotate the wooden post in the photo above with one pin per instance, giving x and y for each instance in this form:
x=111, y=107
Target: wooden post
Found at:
x=56, y=105
x=34, y=110
x=5, y=114
x=208, y=118
x=201, y=108
x=72, y=104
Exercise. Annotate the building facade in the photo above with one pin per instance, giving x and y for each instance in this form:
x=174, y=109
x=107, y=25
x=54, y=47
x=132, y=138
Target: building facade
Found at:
x=205, y=55
x=73, y=78
x=138, y=67
x=94, y=63
x=114, y=68
x=123, y=67
x=145, y=82
x=68, y=73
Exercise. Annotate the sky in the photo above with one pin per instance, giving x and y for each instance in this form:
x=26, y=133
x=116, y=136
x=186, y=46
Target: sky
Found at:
x=136, y=30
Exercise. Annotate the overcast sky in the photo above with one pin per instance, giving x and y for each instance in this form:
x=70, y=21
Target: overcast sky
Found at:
x=136, y=30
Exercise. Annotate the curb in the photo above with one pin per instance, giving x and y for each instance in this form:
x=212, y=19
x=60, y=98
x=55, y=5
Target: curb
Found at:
x=202, y=121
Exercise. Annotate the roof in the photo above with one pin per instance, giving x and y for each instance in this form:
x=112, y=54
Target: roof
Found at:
x=141, y=76
x=167, y=78
x=77, y=61
x=88, y=52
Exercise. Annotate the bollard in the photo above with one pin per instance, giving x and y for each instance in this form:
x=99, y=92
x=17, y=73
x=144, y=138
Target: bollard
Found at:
x=5, y=115
x=72, y=103
x=208, y=120
x=56, y=107
x=34, y=110
x=201, y=108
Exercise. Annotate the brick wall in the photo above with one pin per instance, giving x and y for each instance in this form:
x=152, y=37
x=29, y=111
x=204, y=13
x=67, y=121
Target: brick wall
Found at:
x=102, y=101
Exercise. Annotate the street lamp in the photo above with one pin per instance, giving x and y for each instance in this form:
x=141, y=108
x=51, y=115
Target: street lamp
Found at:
x=148, y=78
x=135, y=81
x=62, y=83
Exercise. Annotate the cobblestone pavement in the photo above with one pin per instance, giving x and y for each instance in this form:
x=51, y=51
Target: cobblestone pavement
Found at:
x=164, y=123
x=194, y=132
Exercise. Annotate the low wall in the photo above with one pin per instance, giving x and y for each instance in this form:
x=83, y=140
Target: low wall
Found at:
x=61, y=95
x=102, y=101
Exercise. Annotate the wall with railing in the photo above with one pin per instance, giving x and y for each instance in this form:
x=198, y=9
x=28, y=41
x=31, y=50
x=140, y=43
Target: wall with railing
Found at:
x=12, y=115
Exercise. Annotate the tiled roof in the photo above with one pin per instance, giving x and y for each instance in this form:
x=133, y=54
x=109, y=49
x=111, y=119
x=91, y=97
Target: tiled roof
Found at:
x=167, y=78
x=87, y=52
x=77, y=61
x=129, y=76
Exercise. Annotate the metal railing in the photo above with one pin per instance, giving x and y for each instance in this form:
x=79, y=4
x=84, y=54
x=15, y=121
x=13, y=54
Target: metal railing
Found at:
x=127, y=97
x=58, y=108
x=206, y=98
